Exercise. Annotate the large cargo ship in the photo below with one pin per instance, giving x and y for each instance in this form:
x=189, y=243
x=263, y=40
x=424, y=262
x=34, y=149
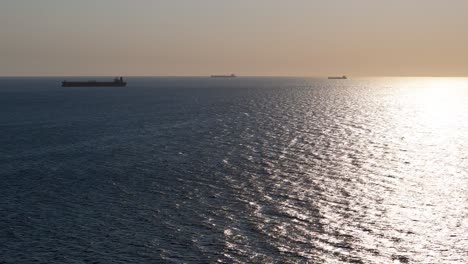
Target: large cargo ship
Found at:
x=224, y=76
x=338, y=77
x=118, y=82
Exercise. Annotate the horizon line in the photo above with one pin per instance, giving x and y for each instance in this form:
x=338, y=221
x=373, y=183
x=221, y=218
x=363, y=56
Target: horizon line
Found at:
x=238, y=76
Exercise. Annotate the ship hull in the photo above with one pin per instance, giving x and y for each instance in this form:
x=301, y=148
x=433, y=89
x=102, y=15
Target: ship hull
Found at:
x=223, y=76
x=94, y=84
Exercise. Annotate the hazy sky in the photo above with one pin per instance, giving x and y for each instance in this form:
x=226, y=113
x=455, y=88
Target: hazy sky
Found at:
x=247, y=37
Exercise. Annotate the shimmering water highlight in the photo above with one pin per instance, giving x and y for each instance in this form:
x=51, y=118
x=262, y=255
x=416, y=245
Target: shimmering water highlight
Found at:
x=246, y=170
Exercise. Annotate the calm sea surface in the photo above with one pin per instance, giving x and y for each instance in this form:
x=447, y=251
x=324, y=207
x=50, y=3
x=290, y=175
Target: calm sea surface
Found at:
x=246, y=170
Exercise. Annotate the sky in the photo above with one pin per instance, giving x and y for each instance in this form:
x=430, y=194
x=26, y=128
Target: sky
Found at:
x=246, y=37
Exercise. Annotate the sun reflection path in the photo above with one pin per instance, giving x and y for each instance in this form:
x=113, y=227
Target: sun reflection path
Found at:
x=431, y=121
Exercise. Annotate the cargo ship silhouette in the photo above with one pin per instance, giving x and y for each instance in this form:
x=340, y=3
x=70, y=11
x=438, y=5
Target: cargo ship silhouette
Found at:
x=224, y=76
x=118, y=82
x=338, y=77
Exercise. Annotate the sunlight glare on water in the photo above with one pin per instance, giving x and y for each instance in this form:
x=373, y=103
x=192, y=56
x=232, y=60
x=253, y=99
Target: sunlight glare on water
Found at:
x=426, y=208
x=245, y=170
x=429, y=203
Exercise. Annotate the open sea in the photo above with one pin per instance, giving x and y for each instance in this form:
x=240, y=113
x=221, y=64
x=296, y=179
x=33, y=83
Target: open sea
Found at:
x=244, y=170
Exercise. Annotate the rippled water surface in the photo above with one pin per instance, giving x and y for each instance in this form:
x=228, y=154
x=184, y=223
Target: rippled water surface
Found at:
x=246, y=170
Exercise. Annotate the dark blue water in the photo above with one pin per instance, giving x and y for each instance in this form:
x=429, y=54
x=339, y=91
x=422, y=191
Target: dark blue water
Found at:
x=242, y=170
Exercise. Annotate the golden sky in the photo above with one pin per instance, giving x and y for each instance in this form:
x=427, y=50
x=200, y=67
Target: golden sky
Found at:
x=246, y=37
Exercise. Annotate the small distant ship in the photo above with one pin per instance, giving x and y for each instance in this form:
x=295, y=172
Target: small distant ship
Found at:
x=224, y=76
x=338, y=77
x=118, y=82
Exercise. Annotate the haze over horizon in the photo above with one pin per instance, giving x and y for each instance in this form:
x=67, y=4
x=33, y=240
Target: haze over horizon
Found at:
x=254, y=38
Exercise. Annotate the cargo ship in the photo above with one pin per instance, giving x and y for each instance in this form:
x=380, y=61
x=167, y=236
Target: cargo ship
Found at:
x=338, y=77
x=118, y=82
x=224, y=76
